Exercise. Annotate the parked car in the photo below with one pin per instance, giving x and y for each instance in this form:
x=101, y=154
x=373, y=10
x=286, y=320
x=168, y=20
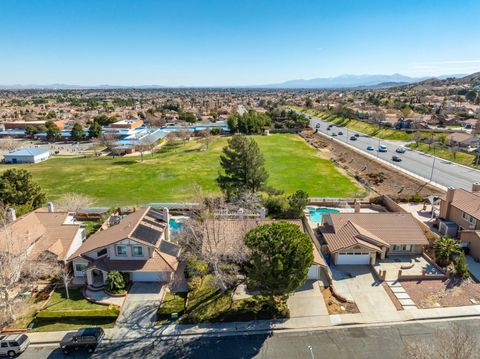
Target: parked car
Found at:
x=353, y=138
x=334, y=133
x=84, y=339
x=396, y=159
x=370, y=148
x=340, y=133
x=382, y=148
x=13, y=344
x=400, y=150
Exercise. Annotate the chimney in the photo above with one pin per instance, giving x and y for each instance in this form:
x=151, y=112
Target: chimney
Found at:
x=241, y=213
x=11, y=215
x=445, y=204
x=356, y=206
x=166, y=214
x=476, y=187
x=50, y=207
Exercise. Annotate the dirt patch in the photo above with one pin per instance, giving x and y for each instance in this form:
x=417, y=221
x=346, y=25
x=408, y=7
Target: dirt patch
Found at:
x=443, y=293
x=378, y=178
x=334, y=306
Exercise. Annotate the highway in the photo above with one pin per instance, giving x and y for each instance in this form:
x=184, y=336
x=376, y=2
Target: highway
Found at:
x=445, y=173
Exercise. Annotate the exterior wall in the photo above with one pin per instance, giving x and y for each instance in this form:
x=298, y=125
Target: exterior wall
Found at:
x=79, y=261
x=455, y=215
x=473, y=241
x=77, y=242
x=113, y=255
x=26, y=159
x=416, y=249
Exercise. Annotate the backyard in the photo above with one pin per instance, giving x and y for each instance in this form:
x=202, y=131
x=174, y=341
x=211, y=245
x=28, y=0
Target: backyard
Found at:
x=170, y=174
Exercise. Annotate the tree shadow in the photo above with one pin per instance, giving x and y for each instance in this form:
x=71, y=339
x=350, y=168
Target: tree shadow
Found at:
x=123, y=163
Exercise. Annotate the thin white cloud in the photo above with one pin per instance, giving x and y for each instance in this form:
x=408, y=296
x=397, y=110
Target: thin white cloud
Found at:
x=447, y=67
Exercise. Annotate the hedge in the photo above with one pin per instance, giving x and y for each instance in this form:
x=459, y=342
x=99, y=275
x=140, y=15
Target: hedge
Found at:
x=104, y=313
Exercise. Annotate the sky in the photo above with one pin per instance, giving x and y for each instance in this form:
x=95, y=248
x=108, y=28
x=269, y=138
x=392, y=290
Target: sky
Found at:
x=232, y=42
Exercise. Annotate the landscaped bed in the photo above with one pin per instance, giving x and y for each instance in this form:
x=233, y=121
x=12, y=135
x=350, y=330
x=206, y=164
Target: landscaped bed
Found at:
x=61, y=313
x=207, y=304
x=335, y=306
x=169, y=175
x=442, y=293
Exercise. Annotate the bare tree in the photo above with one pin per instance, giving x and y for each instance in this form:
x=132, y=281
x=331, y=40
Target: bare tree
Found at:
x=72, y=202
x=8, y=144
x=108, y=141
x=452, y=343
x=143, y=146
x=205, y=138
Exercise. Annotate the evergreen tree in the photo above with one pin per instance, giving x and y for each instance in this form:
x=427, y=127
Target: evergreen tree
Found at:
x=77, y=132
x=19, y=191
x=53, y=132
x=94, y=130
x=243, y=166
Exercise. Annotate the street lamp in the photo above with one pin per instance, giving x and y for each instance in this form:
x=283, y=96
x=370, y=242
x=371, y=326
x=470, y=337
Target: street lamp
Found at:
x=434, y=158
x=311, y=351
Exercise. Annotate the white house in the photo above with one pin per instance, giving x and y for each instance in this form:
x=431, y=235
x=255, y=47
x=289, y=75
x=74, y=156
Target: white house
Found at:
x=27, y=155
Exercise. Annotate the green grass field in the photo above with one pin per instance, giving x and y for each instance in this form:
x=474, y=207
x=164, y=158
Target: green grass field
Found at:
x=170, y=174
x=464, y=158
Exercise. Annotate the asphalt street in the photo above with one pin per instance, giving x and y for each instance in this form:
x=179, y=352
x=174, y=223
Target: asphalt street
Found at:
x=377, y=342
x=430, y=168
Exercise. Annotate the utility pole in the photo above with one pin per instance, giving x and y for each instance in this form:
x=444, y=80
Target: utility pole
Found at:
x=311, y=351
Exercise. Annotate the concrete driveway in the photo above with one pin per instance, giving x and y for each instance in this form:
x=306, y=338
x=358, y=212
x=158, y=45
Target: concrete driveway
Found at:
x=357, y=283
x=307, y=301
x=139, y=310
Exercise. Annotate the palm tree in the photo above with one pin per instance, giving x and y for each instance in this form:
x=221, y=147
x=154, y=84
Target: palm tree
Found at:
x=445, y=249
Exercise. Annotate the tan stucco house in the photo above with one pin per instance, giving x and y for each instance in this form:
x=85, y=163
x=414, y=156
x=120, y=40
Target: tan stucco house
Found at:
x=138, y=245
x=363, y=238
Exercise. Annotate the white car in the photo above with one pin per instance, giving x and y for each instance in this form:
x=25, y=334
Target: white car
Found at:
x=13, y=344
x=400, y=150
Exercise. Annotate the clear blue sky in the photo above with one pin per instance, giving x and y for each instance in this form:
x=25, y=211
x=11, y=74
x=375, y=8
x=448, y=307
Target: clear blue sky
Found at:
x=232, y=42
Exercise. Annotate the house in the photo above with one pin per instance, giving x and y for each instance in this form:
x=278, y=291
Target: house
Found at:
x=463, y=140
x=130, y=124
x=138, y=245
x=362, y=238
x=27, y=155
x=228, y=235
x=41, y=231
x=22, y=125
x=459, y=211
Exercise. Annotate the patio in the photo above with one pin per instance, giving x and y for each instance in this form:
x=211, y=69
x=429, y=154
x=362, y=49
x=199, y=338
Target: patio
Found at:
x=395, y=263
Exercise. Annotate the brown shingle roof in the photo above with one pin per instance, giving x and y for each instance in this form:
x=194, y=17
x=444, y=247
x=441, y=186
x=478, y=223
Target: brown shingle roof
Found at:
x=467, y=201
x=372, y=230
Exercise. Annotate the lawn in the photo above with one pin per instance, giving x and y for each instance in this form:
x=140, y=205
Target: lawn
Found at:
x=464, y=158
x=170, y=174
x=207, y=304
x=61, y=313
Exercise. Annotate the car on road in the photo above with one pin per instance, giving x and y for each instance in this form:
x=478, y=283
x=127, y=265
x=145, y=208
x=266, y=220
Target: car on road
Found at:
x=84, y=339
x=13, y=344
x=400, y=150
x=340, y=133
x=396, y=159
x=357, y=135
x=353, y=138
x=329, y=128
x=382, y=148
x=370, y=148
x=317, y=125
x=334, y=134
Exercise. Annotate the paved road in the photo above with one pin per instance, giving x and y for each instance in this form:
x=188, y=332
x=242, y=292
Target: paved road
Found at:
x=444, y=172
x=384, y=342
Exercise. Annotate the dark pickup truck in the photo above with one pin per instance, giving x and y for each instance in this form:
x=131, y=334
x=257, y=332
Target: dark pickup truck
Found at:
x=84, y=339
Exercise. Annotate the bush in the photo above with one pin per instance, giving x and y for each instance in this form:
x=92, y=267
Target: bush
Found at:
x=461, y=267
x=196, y=267
x=172, y=303
x=276, y=206
x=107, y=312
x=115, y=282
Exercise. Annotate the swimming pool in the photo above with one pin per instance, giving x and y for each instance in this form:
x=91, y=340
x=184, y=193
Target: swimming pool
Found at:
x=316, y=213
x=175, y=225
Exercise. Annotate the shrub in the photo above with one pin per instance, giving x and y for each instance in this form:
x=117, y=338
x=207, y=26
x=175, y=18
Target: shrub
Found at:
x=196, y=267
x=445, y=249
x=115, y=282
x=461, y=267
x=276, y=206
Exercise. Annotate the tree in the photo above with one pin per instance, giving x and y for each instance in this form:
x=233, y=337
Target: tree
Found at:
x=461, y=267
x=232, y=123
x=18, y=190
x=53, y=132
x=72, y=202
x=205, y=138
x=9, y=144
x=243, y=166
x=76, y=134
x=445, y=249
x=94, y=130
x=297, y=203
x=115, y=282
x=251, y=122
x=31, y=131
x=451, y=343
x=188, y=117
x=308, y=103
x=143, y=145
x=471, y=96
x=281, y=255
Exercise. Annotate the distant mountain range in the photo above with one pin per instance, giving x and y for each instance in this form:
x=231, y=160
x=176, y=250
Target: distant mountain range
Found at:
x=338, y=82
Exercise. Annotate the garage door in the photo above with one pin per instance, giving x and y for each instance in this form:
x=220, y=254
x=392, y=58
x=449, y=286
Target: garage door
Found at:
x=353, y=258
x=313, y=273
x=148, y=277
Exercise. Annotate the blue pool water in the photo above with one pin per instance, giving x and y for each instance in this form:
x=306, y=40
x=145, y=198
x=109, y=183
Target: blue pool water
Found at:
x=316, y=213
x=175, y=225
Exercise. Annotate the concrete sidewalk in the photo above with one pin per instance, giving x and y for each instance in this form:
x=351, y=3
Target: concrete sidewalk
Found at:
x=294, y=324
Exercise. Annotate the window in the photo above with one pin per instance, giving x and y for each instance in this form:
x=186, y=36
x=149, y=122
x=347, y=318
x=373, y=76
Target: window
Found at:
x=137, y=251
x=121, y=251
x=402, y=248
x=80, y=267
x=4, y=345
x=469, y=218
x=102, y=252
x=13, y=344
